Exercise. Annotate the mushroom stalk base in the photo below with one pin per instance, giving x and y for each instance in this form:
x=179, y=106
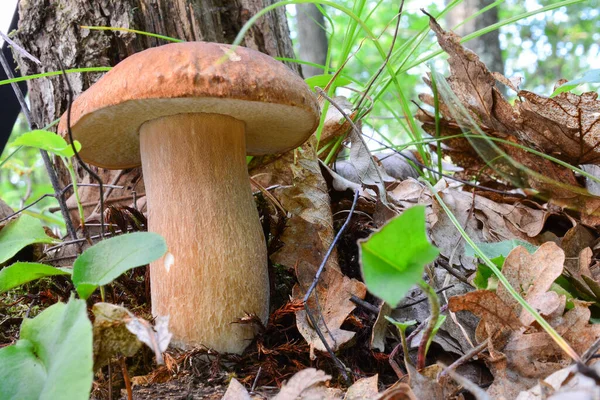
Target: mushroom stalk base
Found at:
x=199, y=199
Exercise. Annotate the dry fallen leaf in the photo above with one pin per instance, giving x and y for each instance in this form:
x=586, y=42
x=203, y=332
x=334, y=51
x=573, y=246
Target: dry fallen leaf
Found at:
x=532, y=276
x=306, y=238
x=305, y=384
x=364, y=388
x=111, y=337
x=565, y=126
x=483, y=219
x=236, y=391
x=519, y=358
x=488, y=306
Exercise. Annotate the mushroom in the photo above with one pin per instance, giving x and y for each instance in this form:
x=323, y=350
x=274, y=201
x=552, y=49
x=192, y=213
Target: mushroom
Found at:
x=189, y=113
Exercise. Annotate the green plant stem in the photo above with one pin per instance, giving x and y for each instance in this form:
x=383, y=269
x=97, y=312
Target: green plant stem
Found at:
x=436, y=105
x=540, y=320
x=434, y=308
x=54, y=73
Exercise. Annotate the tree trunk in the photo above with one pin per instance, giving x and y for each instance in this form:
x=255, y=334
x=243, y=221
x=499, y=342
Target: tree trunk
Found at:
x=311, y=37
x=50, y=29
x=487, y=47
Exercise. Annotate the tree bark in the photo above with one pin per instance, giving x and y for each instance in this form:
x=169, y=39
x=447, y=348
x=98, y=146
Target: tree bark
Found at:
x=487, y=47
x=311, y=37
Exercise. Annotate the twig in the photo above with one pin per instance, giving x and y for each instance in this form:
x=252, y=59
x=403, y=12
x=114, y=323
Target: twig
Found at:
x=26, y=207
x=330, y=250
x=367, y=306
x=425, y=298
x=591, y=351
x=465, y=357
x=66, y=243
x=75, y=152
x=52, y=209
x=475, y=390
x=93, y=202
x=126, y=378
x=268, y=195
x=110, y=188
x=341, y=367
x=45, y=158
x=338, y=363
x=19, y=49
x=255, y=380
x=446, y=265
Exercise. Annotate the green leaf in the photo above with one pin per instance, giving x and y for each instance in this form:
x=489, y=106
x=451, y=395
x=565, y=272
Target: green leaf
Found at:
x=323, y=80
x=393, y=258
x=52, y=359
x=23, y=272
x=402, y=326
x=591, y=76
x=20, y=233
x=46, y=140
x=485, y=273
x=105, y=261
x=496, y=249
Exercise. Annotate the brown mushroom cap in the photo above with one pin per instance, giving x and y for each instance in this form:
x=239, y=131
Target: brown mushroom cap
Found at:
x=278, y=108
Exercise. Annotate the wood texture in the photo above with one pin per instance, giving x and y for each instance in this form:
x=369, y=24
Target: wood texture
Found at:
x=199, y=200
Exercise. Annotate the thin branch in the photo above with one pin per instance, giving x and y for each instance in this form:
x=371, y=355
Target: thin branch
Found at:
x=45, y=157
x=341, y=367
x=465, y=357
x=366, y=305
x=330, y=250
x=414, y=303
x=19, y=49
x=76, y=153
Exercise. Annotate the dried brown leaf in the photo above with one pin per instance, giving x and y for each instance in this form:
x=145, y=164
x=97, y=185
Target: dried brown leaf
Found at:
x=306, y=238
x=364, y=388
x=111, y=336
x=488, y=306
x=304, y=384
x=236, y=391
x=531, y=275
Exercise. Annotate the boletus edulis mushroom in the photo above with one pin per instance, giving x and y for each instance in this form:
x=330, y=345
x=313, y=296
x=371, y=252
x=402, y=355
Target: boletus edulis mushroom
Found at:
x=189, y=113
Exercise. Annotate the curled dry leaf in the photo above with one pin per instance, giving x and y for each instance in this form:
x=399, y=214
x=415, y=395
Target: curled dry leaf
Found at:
x=305, y=384
x=118, y=332
x=566, y=127
x=111, y=337
x=306, y=238
x=487, y=306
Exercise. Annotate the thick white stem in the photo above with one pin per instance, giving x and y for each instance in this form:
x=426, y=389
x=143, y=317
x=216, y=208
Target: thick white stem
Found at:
x=199, y=199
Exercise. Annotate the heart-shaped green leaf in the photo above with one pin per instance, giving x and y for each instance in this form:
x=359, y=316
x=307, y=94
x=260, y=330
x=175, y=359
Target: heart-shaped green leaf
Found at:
x=393, y=258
